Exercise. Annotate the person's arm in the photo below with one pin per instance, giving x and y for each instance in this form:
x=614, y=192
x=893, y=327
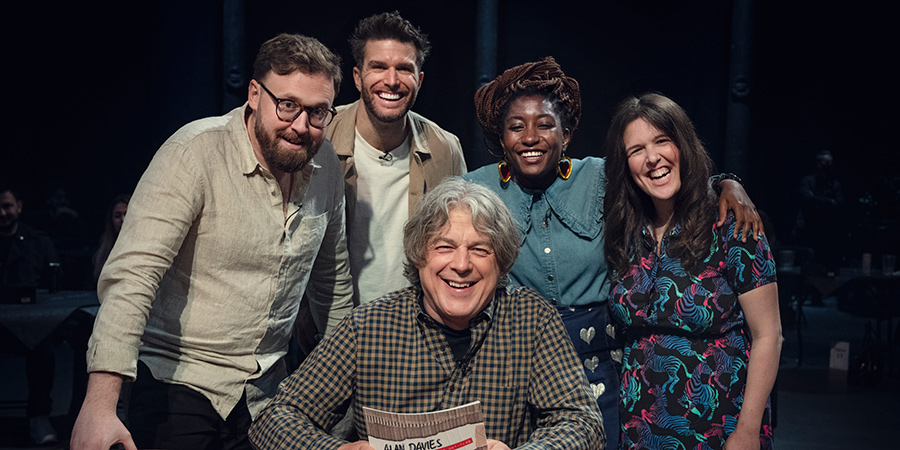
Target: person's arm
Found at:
x=761, y=313
x=312, y=399
x=330, y=287
x=733, y=197
x=163, y=207
x=97, y=426
x=566, y=412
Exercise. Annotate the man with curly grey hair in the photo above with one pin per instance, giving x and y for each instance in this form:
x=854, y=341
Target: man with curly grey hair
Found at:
x=456, y=336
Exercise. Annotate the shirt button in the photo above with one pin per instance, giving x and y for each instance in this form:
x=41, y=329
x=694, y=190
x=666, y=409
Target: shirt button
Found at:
x=550, y=277
x=547, y=250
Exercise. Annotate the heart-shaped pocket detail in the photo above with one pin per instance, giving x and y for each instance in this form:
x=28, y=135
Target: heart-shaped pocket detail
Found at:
x=587, y=334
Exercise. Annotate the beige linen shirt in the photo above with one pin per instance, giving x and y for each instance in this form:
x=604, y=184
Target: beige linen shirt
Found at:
x=205, y=280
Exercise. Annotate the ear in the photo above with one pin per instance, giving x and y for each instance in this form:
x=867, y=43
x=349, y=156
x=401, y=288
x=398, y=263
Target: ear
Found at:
x=421, y=78
x=357, y=78
x=253, y=93
x=567, y=136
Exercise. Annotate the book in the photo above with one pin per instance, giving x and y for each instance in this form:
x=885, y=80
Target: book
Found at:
x=458, y=428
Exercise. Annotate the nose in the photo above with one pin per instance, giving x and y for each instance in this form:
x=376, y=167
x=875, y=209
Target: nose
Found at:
x=653, y=156
x=301, y=123
x=391, y=78
x=530, y=136
x=460, y=262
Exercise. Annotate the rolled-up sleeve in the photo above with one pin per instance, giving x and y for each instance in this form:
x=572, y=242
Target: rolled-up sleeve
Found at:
x=165, y=203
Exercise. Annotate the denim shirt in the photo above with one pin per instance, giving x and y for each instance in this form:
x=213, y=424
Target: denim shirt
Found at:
x=561, y=255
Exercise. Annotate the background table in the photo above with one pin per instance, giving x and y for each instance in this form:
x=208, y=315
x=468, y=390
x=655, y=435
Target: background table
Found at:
x=32, y=323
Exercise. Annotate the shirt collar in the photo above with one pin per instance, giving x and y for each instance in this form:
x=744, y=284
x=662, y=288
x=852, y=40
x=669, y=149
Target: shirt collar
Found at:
x=486, y=314
x=577, y=202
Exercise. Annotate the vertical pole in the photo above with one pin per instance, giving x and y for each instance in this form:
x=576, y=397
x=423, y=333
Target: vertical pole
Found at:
x=737, y=127
x=486, y=70
x=235, y=78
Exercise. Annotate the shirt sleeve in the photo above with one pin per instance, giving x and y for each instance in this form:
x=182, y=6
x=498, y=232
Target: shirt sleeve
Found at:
x=330, y=287
x=567, y=414
x=313, y=399
x=165, y=203
x=750, y=264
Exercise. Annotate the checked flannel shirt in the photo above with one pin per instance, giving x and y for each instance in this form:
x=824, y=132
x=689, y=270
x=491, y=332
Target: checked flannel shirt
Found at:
x=390, y=355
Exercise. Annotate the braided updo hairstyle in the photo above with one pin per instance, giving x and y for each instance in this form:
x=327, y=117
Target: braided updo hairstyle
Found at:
x=544, y=78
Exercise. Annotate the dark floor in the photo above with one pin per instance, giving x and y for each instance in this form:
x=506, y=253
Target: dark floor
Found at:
x=811, y=413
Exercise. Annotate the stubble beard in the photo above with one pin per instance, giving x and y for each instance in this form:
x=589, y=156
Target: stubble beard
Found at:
x=281, y=159
x=400, y=114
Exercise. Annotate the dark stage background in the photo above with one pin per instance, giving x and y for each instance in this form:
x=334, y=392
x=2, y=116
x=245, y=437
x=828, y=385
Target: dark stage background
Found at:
x=95, y=89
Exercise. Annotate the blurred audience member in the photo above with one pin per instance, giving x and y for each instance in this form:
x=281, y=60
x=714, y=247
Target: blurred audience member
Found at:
x=112, y=225
x=25, y=256
x=820, y=219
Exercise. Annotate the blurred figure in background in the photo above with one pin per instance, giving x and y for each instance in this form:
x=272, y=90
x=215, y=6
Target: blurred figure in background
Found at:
x=112, y=225
x=25, y=257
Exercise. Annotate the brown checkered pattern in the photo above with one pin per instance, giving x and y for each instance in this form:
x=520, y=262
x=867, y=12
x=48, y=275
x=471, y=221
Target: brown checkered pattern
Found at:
x=389, y=355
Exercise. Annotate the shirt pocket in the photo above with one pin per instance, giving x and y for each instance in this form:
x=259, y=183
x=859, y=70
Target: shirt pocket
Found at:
x=304, y=236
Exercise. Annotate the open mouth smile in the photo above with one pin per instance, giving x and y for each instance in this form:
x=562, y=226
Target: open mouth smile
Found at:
x=390, y=96
x=457, y=285
x=532, y=154
x=659, y=173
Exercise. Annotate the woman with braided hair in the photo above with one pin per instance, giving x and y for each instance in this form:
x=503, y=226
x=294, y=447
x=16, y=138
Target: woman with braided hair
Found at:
x=528, y=115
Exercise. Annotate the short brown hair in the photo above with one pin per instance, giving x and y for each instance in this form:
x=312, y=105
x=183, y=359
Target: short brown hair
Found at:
x=385, y=26
x=287, y=53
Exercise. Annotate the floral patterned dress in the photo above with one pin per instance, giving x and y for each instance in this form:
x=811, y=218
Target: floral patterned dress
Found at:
x=687, y=345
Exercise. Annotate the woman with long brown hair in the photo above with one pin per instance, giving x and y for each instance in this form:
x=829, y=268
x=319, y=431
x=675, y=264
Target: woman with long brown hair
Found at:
x=698, y=304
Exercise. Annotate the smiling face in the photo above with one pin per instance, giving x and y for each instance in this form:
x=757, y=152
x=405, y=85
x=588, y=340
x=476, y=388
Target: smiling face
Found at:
x=460, y=273
x=653, y=160
x=533, y=140
x=389, y=79
x=287, y=146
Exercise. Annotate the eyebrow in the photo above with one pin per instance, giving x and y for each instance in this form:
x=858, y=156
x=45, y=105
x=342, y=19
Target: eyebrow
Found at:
x=542, y=116
x=628, y=149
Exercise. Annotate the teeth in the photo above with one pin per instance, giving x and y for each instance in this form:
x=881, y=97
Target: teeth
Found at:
x=454, y=284
x=658, y=173
x=389, y=96
x=533, y=154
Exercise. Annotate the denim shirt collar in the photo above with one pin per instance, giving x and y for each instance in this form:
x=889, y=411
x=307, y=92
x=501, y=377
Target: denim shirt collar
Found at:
x=577, y=202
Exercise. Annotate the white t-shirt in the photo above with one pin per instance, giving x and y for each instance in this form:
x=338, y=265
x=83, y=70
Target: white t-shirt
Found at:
x=376, y=232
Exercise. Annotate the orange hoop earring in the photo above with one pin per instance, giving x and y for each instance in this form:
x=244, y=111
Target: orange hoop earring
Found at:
x=564, y=167
x=505, y=173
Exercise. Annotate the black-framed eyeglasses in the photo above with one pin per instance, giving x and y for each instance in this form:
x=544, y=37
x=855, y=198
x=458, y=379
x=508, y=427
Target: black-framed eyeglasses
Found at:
x=289, y=110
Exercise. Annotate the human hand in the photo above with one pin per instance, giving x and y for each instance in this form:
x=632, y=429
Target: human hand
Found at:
x=746, y=219
x=496, y=445
x=358, y=445
x=99, y=430
x=97, y=426
x=742, y=438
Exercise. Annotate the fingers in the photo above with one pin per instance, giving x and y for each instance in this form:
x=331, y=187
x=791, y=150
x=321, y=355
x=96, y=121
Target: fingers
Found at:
x=723, y=213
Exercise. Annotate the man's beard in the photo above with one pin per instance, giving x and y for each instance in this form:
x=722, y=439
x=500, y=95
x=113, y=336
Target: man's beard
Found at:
x=280, y=159
x=395, y=115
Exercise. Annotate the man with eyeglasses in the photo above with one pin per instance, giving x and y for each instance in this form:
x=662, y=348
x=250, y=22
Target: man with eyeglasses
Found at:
x=234, y=218
x=390, y=155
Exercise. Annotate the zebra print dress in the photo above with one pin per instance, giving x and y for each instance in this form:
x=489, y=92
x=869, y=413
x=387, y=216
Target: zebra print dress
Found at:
x=687, y=346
